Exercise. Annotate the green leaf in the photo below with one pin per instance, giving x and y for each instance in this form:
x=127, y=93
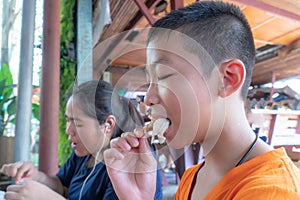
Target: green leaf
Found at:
x=7, y=91
x=12, y=106
x=67, y=74
x=13, y=121
x=6, y=82
x=7, y=100
x=5, y=74
x=2, y=124
x=36, y=111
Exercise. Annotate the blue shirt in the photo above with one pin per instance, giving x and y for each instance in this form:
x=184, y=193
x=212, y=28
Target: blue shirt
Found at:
x=73, y=173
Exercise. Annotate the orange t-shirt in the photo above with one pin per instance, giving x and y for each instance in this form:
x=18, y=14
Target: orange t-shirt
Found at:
x=267, y=177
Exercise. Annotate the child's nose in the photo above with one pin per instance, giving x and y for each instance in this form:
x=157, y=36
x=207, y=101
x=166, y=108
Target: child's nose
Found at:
x=70, y=130
x=152, y=96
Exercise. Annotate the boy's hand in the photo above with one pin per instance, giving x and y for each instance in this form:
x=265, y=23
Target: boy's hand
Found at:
x=131, y=166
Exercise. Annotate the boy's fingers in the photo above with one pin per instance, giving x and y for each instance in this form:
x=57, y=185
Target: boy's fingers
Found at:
x=123, y=144
x=139, y=132
x=112, y=154
x=132, y=140
x=144, y=146
x=126, y=142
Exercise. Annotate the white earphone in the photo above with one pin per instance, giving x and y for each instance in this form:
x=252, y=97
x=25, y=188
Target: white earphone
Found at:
x=107, y=124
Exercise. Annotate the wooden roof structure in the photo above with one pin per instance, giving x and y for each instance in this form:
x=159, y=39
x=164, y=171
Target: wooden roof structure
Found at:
x=275, y=25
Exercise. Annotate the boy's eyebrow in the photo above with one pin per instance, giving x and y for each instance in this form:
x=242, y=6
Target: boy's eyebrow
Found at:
x=157, y=61
x=160, y=60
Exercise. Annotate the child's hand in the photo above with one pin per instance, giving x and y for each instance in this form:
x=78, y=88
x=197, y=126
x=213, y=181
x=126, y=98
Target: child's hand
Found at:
x=131, y=166
x=32, y=190
x=20, y=170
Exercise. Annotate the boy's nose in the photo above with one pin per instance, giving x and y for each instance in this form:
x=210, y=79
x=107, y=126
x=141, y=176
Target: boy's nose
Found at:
x=152, y=96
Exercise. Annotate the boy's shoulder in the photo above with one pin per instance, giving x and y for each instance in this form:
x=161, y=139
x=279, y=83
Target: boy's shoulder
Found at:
x=269, y=176
x=272, y=173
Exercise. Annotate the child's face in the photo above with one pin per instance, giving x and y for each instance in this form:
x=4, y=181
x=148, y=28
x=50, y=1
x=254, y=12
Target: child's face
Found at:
x=71, y=131
x=84, y=132
x=179, y=91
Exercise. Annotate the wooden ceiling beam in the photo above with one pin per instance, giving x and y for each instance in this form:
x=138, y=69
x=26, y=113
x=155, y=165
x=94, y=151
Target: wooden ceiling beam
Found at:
x=277, y=63
x=102, y=56
x=126, y=62
x=137, y=18
x=176, y=4
x=283, y=67
x=135, y=57
x=144, y=9
x=280, y=74
x=269, y=8
x=129, y=78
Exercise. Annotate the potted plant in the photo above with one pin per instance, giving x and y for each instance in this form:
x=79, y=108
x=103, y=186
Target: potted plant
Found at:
x=7, y=113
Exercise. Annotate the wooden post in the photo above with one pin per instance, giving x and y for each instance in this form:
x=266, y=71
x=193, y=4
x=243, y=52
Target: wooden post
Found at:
x=298, y=125
x=49, y=113
x=271, y=128
x=272, y=89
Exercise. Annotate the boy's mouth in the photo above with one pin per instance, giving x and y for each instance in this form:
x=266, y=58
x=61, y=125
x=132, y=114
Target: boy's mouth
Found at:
x=157, y=130
x=166, y=131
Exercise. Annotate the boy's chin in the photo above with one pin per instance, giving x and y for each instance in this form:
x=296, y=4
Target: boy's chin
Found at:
x=176, y=143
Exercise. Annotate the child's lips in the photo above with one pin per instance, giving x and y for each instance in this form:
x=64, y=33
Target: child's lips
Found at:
x=73, y=145
x=165, y=134
x=167, y=130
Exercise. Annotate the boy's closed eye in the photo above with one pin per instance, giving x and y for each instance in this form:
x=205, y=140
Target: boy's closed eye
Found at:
x=160, y=78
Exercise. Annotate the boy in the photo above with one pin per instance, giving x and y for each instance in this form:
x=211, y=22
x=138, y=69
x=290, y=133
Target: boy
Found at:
x=199, y=63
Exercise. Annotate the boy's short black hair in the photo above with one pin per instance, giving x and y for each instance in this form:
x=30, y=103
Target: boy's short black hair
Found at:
x=220, y=28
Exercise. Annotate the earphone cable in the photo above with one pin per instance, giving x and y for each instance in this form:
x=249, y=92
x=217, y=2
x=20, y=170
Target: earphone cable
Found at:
x=95, y=163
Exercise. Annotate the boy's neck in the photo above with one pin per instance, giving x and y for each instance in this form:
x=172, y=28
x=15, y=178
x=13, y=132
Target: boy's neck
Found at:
x=224, y=150
x=232, y=144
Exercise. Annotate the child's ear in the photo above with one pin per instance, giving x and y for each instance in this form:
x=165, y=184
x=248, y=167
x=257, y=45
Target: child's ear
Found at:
x=111, y=120
x=233, y=76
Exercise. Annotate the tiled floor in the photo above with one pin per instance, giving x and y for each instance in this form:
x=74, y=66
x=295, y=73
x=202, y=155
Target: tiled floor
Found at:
x=1, y=195
x=169, y=191
x=297, y=164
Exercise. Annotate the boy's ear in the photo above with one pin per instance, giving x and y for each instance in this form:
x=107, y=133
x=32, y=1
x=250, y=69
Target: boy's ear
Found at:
x=233, y=76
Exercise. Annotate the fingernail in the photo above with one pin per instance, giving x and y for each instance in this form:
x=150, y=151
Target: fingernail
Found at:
x=127, y=146
x=135, y=143
x=138, y=131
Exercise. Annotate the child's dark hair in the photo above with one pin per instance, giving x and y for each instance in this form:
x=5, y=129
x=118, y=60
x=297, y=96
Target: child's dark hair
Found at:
x=220, y=28
x=97, y=99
